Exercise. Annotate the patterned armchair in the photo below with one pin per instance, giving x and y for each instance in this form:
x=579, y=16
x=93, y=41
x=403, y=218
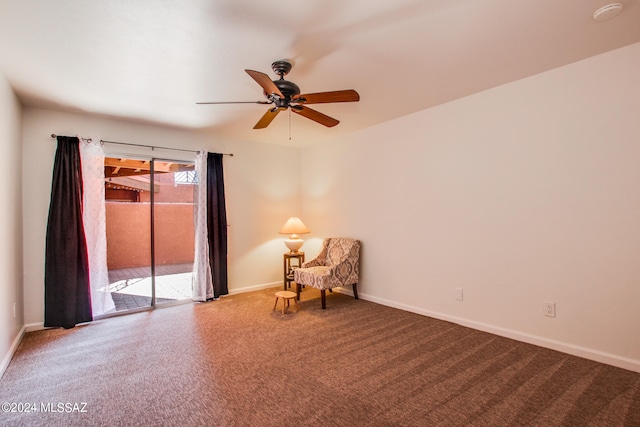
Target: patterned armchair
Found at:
x=336, y=265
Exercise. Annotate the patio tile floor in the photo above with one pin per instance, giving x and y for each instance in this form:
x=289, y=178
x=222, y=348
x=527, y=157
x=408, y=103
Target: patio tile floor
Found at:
x=173, y=288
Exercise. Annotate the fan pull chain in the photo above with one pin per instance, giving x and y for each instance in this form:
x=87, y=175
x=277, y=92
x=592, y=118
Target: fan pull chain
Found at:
x=289, y=124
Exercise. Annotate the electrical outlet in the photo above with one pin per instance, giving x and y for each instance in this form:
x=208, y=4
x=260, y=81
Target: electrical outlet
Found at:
x=458, y=294
x=549, y=309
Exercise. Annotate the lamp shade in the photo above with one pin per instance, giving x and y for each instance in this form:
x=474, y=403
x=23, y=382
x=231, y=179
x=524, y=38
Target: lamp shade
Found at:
x=294, y=226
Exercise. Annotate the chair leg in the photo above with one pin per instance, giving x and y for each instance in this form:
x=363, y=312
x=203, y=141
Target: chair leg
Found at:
x=355, y=290
x=323, y=297
x=298, y=291
x=276, y=304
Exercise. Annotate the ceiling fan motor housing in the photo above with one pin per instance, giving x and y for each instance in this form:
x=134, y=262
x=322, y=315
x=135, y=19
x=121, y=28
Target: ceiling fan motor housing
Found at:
x=287, y=88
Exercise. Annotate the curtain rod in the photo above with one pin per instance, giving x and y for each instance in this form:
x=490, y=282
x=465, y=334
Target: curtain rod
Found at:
x=102, y=141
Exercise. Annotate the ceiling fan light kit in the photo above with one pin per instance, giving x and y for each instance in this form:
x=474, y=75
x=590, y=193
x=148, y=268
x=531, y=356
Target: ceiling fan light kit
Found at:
x=284, y=95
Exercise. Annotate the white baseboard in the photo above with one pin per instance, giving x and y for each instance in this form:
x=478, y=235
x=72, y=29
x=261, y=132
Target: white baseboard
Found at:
x=14, y=346
x=30, y=327
x=575, y=350
x=255, y=288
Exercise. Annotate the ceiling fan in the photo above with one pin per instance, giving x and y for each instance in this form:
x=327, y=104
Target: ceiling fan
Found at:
x=285, y=95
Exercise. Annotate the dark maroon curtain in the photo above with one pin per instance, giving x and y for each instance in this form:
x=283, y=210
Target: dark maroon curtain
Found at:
x=217, y=224
x=67, y=295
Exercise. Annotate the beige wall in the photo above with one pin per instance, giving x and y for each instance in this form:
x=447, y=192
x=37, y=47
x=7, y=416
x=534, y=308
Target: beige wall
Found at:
x=11, y=289
x=526, y=193
x=260, y=194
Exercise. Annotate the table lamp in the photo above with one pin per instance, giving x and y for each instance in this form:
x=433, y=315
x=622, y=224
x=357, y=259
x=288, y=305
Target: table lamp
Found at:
x=293, y=227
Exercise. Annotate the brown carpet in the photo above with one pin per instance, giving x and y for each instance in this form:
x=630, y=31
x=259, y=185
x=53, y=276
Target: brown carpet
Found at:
x=234, y=362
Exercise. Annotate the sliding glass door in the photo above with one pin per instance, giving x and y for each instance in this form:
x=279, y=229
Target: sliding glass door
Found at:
x=174, y=235
x=149, y=216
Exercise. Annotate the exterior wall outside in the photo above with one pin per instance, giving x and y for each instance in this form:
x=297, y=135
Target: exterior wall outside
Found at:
x=129, y=226
x=170, y=194
x=129, y=234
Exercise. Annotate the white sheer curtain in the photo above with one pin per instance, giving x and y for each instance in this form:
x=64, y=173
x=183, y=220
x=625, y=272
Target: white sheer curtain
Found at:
x=94, y=218
x=202, y=281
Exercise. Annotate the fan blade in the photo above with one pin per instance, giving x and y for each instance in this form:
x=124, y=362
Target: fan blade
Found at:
x=325, y=97
x=314, y=115
x=266, y=83
x=267, y=118
x=234, y=102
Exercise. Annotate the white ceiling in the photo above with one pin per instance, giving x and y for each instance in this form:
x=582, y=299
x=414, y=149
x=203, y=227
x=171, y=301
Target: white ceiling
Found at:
x=152, y=60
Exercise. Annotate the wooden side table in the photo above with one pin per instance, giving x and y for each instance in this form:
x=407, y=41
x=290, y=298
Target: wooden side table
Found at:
x=289, y=266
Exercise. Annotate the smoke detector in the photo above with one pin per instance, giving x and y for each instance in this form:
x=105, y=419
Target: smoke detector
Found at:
x=607, y=12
